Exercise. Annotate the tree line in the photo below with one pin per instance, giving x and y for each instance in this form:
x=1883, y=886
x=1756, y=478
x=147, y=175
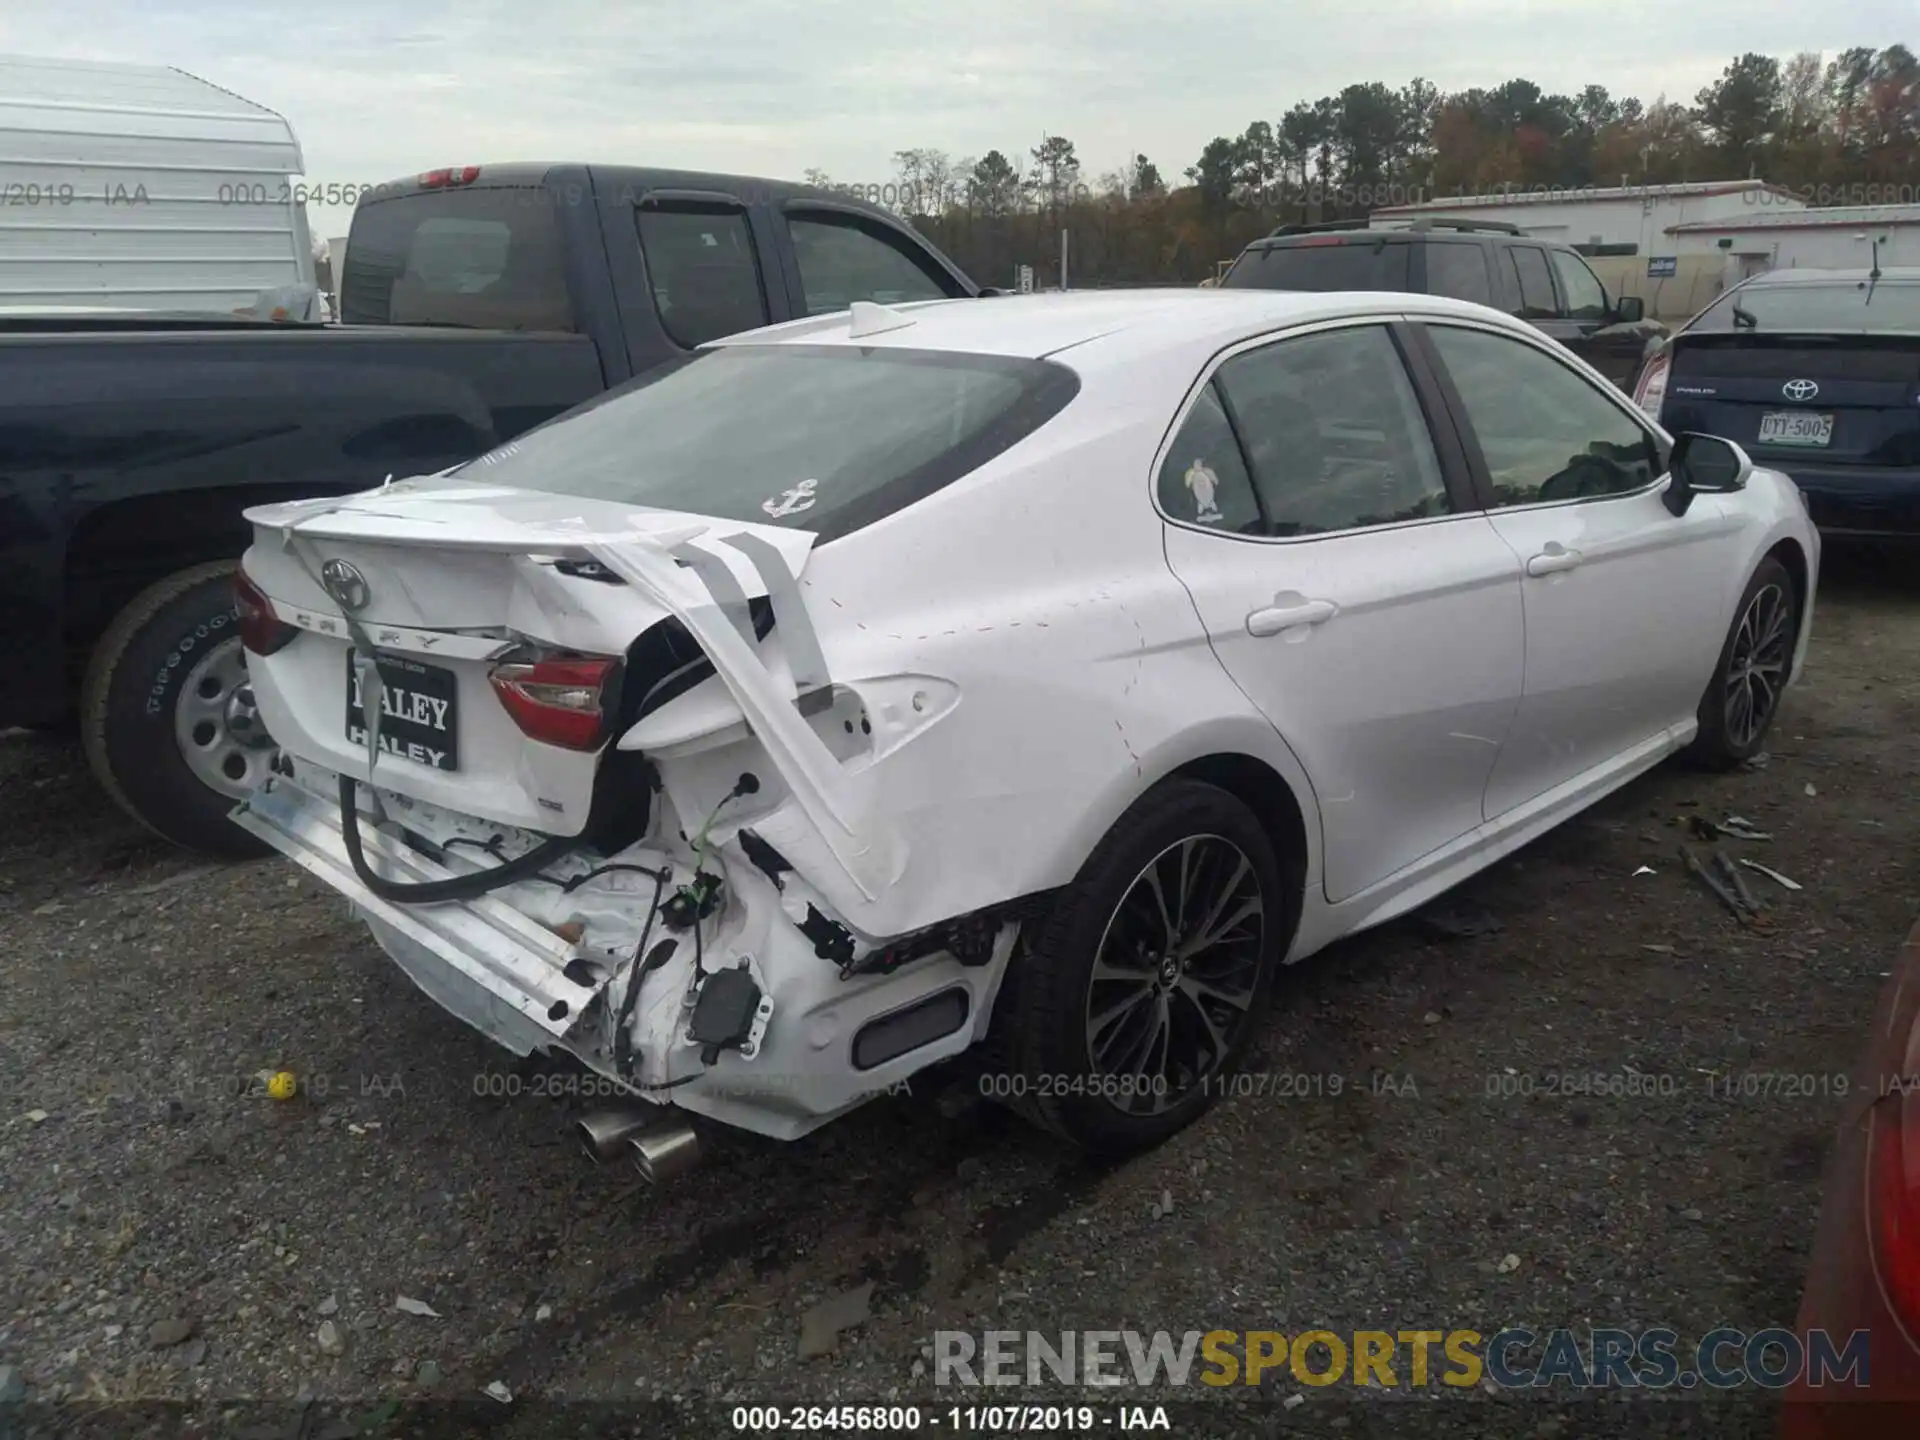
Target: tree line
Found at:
x=1844, y=131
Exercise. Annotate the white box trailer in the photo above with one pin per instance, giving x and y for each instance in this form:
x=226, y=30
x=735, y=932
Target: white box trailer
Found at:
x=141, y=187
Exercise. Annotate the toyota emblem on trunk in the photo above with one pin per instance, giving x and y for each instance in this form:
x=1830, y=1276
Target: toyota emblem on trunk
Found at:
x=1799, y=389
x=345, y=584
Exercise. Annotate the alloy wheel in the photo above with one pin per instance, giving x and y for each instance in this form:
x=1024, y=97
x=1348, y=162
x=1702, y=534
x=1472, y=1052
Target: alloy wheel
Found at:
x=1757, y=664
x=1174, y=978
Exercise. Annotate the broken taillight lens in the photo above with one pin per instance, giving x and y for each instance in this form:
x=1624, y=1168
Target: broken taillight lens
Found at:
x=561, y=700
x=261, y=631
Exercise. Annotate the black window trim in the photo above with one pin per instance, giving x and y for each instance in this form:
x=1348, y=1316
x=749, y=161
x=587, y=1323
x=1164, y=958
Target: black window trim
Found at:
x=698, y=202
x=1421, y=328
x=1462, y=492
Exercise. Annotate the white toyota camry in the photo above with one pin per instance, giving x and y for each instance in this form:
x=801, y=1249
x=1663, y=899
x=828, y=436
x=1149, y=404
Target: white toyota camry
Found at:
x=1031, y=674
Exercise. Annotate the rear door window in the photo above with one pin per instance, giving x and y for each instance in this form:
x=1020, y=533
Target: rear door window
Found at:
x=842, y=261
x=1536, y=282
x=703, y=269
x=1204, y=478
x=1322, y=263
x=1458, y=270
x=1334, y=434
x=487, y=259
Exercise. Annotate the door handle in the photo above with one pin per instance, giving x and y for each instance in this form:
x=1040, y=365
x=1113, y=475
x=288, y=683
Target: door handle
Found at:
x=1288, y=613
x=1552, y=560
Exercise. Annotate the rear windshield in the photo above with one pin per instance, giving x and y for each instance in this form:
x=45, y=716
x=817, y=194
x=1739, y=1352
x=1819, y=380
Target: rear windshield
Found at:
x=1850, y=305
x=820, y=438
x=1314, y=264
x=473, y=259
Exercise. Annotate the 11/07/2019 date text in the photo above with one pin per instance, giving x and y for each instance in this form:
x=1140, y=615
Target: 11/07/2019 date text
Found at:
x=955, y=1419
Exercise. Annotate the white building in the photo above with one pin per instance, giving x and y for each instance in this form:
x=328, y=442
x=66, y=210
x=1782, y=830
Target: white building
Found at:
x=1840, y=237
x=1608, y=219
x=142, y=187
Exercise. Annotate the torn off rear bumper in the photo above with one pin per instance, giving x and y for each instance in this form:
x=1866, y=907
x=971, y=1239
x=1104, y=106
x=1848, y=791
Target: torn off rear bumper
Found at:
x=831, y=1042
x=491, y=966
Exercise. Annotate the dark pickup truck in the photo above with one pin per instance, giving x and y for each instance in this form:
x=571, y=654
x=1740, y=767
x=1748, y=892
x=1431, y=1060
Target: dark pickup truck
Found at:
x=474, y=304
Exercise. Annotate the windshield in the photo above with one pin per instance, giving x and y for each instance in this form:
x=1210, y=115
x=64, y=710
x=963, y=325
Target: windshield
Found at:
x=1892, y=306
x=821, y=438
x=1332, y=264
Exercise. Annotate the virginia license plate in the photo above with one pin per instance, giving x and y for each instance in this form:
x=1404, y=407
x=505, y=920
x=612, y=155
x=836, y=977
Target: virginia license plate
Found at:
x=419, y=711
x=1795, y=427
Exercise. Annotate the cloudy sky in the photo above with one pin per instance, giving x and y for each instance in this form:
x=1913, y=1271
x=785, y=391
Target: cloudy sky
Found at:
x=377, y=89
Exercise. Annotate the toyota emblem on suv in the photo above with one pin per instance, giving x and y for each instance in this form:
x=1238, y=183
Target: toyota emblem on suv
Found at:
x=345, y=584
x=1799, y=389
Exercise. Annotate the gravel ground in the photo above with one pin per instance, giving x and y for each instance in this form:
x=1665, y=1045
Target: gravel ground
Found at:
x=145, y=1180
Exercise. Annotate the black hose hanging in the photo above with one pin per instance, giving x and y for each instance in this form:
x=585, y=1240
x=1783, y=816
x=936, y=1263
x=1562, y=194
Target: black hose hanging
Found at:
x=427, y=892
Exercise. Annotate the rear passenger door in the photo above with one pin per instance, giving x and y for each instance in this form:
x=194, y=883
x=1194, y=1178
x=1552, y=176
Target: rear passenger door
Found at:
x=1323, y=523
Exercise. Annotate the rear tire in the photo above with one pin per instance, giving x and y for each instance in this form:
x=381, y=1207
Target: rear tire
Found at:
x=1743, y=698
x=1123, y=1021
x=166, y=718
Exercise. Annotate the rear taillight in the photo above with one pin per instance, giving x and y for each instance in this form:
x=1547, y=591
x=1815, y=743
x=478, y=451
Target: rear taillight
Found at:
x=261, y=631
x=1651, y=392
x=1896, y=1196
x=559, y=699
x=453, y=175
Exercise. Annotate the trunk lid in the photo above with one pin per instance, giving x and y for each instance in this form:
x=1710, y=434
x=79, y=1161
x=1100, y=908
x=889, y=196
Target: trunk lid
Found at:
x=449, y=580
x=1794, y=400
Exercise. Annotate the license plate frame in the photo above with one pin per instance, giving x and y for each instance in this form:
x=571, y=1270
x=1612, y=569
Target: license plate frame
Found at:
x=411, y=690
x=1791, y=427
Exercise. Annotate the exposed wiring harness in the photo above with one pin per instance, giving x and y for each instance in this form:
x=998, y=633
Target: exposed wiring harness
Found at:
x=622, y=1040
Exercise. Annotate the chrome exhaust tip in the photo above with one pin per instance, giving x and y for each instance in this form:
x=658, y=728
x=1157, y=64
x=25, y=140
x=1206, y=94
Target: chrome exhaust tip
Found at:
x=665, y=1152
x=605, y=1133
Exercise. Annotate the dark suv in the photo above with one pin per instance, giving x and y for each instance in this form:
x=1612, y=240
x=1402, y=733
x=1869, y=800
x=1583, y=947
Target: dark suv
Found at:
x=1485, y=261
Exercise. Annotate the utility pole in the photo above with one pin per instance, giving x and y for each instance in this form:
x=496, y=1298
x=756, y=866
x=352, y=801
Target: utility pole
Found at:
x=1063, y=258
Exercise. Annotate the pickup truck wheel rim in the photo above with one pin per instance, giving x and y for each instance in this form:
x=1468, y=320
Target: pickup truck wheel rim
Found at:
x=217, y=725
x=1757, y=664
x=1174, y=979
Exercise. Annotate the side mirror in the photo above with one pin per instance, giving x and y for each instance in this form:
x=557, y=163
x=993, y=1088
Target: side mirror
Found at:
x=1630, y=310
x=1704, y=465
x=987, y=290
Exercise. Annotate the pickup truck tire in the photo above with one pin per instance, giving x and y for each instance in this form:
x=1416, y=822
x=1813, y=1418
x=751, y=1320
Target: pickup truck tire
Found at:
x=166, y=718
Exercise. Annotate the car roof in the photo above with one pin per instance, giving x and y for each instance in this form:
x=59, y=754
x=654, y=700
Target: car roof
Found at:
x=1111, y=323
x=1892, y=273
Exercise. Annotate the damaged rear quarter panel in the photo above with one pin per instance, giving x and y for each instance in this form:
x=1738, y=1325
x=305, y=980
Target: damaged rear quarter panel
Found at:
x=1062, y=665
